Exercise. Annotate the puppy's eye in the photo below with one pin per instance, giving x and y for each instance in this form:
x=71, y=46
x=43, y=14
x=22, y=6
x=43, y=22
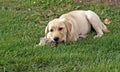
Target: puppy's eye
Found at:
x=51, y=30
x=60, y=28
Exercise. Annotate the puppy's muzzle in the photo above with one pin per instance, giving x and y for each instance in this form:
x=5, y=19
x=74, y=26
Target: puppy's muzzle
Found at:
x=56, y=39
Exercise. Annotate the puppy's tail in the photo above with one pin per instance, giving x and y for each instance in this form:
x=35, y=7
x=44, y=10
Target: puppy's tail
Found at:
x=104, y=28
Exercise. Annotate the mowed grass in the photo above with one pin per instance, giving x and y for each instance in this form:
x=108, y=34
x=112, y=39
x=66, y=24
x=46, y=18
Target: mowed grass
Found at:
x=22, y=23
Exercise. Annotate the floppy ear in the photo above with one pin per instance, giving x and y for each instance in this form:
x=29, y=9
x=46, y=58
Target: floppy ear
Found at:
x=46, y=30
x=68, y=27
x=67, y=24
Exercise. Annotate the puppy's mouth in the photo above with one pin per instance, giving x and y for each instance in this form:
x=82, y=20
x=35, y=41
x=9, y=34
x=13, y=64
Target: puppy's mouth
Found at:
x=56, y=43
x=60, y=41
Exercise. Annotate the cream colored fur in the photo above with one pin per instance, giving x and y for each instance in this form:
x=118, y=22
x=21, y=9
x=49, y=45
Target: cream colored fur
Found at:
x=70, y=26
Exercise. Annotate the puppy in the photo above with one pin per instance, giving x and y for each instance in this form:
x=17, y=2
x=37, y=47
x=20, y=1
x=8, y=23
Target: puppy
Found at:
x=70, y=26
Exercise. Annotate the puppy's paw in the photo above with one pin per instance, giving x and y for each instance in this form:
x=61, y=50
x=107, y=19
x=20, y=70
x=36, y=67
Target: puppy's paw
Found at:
x=97, y=36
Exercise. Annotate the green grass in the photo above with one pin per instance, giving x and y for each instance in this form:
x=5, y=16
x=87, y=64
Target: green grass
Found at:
x=22, y=23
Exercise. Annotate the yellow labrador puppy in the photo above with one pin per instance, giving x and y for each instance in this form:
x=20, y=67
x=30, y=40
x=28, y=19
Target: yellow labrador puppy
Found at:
x=70, y=26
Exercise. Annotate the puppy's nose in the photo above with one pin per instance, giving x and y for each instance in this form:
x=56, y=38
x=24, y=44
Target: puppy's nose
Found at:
x=56, y=39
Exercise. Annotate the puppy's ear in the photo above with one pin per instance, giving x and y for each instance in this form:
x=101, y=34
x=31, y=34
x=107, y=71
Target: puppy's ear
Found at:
x=67, y=24
x=46, y=30
x=68, y=27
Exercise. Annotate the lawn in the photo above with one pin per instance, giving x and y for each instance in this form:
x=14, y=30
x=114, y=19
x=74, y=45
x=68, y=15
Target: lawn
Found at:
x=22, y=23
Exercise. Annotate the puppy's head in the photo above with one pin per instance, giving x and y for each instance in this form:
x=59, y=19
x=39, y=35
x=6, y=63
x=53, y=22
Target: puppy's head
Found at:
x=58, y=30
